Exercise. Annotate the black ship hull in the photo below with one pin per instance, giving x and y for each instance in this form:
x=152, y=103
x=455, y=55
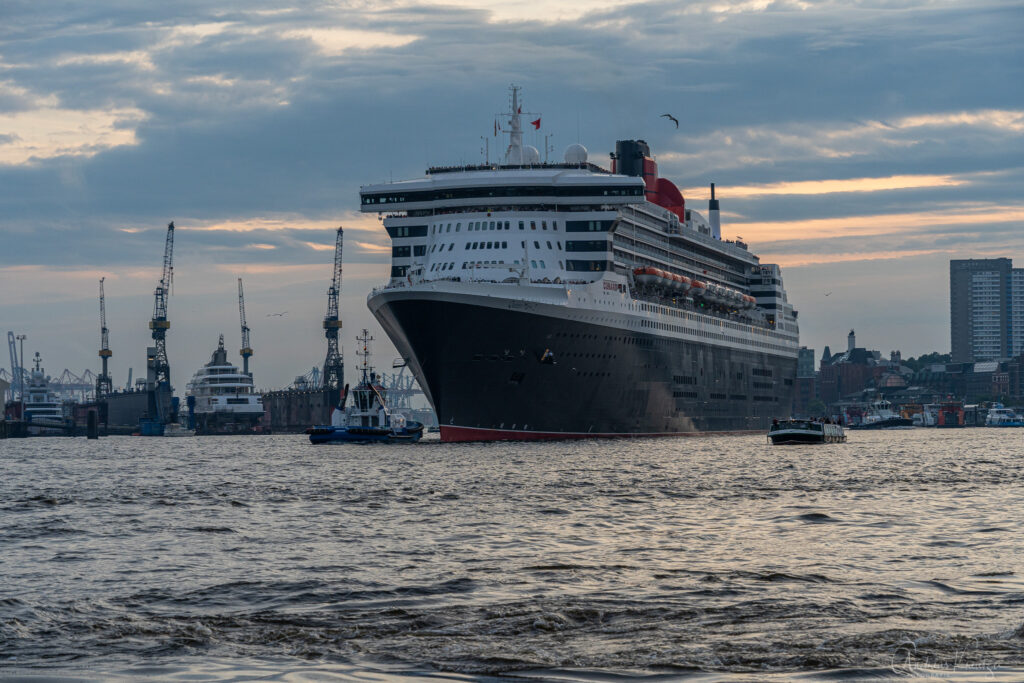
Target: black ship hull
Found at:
x=492, y=372
x=226, y=423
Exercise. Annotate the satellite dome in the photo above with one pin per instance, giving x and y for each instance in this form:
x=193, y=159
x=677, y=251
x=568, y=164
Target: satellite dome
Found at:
x=576, y=154
x=530, y=155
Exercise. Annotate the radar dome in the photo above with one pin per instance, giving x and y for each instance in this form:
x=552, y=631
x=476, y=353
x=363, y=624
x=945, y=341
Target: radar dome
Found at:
x=530, y=155
x=576, y=154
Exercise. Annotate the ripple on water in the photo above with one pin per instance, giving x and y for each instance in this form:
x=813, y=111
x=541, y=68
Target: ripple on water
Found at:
x=562, y=560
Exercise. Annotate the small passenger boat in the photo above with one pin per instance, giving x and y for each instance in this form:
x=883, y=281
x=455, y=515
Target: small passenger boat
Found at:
x=805, y=431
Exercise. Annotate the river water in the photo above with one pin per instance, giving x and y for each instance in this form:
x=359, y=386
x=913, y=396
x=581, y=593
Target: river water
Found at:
x=896, y=555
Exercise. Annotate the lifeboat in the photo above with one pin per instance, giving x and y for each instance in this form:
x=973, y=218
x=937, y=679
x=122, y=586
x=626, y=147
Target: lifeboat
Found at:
x=714, y=294
x=698, y=288
x=665, y=279
x=677, y=283
x=684, y=283
x=751, y=301
x=647, y=275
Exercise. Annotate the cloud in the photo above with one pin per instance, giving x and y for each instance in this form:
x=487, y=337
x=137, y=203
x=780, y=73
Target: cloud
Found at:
x=842, y=131
x=812, y=187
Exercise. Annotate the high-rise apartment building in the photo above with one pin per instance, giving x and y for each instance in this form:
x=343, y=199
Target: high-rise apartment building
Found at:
x=981, y=309
x=1017, y=312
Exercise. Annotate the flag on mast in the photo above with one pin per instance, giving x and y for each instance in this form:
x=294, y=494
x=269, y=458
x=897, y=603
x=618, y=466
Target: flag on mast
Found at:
x=536, y=124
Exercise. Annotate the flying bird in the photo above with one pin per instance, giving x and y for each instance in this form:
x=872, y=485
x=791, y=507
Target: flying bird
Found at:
x=276, y=314
x=671, y=118
x=829, y=294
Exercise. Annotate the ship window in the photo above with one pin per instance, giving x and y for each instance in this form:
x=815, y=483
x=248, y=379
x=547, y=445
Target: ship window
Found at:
x=468, y=245
x=522, y=245
x=463, y=265
x=542, y=265
x=507, y=225
x=489, y=245
x=536, y=244
x=521, y=225
x=549, y=245
x=419, y=250
x=543, y=225
x=559, y=265
x=533, y=225
x=533, y=264
x=457, y=226
x=492, y=225
x=554, y=225
x=504, y=245
x=451, y=246
x=559, y=245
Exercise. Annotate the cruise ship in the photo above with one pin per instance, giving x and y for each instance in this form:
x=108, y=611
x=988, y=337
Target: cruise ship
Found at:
x=221, y=399
x=565, y=300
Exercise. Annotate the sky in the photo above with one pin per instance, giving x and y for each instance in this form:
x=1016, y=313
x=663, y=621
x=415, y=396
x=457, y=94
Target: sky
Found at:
x=859, y=144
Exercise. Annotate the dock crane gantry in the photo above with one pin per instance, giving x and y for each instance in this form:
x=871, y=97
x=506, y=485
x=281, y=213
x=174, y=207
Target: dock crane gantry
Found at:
x=246, y=351
x=334, y=365
x=103, y=384
x=159, y=324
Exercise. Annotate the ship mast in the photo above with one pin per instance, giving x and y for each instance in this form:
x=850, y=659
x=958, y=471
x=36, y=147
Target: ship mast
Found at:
x=514, y=153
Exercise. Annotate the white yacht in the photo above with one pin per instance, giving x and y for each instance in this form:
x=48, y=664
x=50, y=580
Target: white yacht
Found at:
x=43, y=409
x=221, y=397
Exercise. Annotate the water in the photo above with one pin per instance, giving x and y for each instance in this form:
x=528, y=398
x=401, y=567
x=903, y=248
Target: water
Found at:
x=217, y=558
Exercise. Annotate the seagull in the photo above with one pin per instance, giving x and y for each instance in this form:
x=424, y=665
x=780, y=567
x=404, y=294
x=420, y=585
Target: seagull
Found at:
x=829, y=294
x=671, y=118
x=276, y=314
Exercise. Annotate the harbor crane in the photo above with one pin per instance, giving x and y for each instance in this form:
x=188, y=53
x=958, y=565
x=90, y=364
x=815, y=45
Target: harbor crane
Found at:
x=159, y=324
x=246, y=351
x=103, y=384
x=17, y=381
x=334, y=365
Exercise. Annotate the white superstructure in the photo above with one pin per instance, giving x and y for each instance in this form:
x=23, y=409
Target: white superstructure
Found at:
x=222, y=396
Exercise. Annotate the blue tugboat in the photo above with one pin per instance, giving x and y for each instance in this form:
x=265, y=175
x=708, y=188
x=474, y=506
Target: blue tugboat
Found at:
x=368, y=419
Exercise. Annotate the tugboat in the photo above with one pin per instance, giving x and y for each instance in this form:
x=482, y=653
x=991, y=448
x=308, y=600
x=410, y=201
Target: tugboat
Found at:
x=805, y=432
x=369, y=419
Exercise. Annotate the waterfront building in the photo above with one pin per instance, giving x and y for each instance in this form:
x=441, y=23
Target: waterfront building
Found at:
x=980, y=308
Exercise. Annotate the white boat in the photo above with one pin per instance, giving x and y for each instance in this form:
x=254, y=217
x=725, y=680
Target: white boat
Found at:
x=1000, y=416
x=44, y=411
x=175, y=429
x=882, y=416
x=221, y=397
x=788, y=432
x=536, y=300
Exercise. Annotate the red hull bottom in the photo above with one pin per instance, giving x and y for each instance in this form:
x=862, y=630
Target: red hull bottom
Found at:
x=451, y=433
